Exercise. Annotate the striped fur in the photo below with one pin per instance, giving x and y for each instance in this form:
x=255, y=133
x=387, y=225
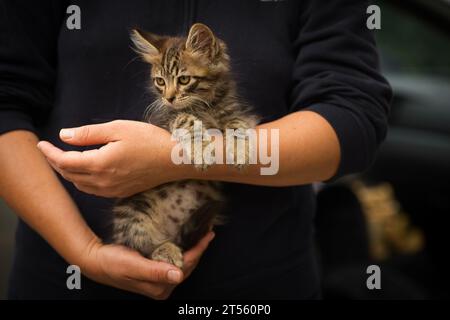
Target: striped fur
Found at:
x=192, y=79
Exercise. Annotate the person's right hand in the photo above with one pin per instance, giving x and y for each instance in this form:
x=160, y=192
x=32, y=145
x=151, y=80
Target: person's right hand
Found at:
x=126, y=269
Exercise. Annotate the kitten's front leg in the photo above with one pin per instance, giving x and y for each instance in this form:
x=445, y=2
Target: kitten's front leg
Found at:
x=240, y=138
x=195, y=132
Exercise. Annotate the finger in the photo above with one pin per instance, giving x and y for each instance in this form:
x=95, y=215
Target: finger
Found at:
x=192, y=257
x=83, y=179
x=93, y=190
x=61, y=172
x=75, y=161
x=69, y=173
x=55, y=167
x=49, y=150
x=91, y=134
x=144, y=269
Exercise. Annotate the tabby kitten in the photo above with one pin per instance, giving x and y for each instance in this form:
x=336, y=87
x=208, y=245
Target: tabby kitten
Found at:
x=192, y=79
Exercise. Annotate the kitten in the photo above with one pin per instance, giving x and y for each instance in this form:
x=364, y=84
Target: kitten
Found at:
x=192, y=79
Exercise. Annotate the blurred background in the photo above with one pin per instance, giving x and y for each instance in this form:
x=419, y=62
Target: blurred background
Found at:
x=397, y=214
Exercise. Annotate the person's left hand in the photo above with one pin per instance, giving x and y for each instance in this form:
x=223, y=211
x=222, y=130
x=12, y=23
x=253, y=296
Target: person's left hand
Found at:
x=135, y=157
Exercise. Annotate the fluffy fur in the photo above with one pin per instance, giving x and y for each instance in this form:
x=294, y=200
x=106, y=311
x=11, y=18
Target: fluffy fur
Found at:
x=192, y=79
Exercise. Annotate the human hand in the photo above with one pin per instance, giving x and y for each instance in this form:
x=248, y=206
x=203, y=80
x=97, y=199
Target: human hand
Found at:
x=126, y=269
x=135, y=157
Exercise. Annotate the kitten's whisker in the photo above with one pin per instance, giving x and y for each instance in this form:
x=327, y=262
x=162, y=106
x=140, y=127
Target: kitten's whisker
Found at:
x=153, y=108
x=199, y=102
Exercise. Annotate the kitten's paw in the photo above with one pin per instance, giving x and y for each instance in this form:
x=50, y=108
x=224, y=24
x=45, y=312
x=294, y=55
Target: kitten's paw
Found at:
x=184, y=121
x=170, y=253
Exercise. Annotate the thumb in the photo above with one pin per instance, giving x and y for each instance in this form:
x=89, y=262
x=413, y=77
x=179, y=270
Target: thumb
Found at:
x=154, y=271
x=90, y=135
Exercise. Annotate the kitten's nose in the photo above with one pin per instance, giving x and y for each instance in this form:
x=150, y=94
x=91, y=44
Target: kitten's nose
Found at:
x=170, y=99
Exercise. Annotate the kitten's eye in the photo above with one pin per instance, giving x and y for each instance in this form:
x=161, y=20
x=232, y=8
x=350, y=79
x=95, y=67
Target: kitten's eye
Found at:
x=160, y=81
x=184, y=80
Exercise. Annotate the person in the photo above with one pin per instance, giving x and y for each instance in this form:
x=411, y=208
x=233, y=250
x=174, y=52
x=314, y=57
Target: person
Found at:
x=310, y=69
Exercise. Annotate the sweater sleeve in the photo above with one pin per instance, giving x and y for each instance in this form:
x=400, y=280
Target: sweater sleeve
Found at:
x=28, y=39
x=337, y=75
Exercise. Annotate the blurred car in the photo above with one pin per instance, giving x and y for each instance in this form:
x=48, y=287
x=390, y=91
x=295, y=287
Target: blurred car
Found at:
x=414, y=161
x=415, y=48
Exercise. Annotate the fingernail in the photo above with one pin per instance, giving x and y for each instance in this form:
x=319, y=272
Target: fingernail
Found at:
x=211, y=236
x=67, y=134
x=174, y=276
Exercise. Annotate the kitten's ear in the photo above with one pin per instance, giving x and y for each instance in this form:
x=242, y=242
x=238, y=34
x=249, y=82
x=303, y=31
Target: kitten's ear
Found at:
x=202, y=40
x=147, y=44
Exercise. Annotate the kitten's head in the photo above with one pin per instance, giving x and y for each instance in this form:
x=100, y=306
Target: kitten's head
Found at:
x=186, y=72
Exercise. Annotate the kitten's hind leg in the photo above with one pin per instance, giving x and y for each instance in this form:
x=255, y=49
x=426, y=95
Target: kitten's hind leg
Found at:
x=170, y=253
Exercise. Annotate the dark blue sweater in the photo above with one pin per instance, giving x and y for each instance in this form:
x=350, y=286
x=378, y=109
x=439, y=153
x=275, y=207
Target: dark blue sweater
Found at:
x=287, y=56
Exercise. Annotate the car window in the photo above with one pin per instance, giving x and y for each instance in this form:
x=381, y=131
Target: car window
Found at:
x=411, y=45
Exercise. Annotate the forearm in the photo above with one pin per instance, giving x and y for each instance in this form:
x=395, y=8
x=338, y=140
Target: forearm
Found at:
x=32, y=190
x=138, y=156
x=308, y=152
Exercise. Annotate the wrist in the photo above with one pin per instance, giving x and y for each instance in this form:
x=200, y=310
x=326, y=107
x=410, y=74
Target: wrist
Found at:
x=87, y=260
x=188, y=171
x=169, y=169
